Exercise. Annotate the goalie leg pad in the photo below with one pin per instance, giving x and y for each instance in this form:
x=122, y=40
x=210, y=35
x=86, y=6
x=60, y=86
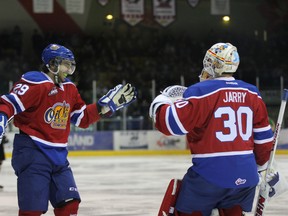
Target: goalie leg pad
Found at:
x=167, y=207
x=235, y=211
x=70, y=208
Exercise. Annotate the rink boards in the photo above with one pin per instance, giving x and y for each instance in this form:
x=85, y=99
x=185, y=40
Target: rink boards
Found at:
x=131, y=142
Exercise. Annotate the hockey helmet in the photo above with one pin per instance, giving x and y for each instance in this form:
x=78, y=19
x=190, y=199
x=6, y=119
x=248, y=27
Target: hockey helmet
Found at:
x=59, y=54
x=222, y=57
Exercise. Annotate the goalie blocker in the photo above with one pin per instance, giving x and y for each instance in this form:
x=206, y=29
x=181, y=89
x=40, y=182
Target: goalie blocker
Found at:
x=167, y=207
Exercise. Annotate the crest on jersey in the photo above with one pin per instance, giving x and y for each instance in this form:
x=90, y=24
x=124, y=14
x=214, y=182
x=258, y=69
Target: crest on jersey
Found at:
x=53, y=91
x=57, y=115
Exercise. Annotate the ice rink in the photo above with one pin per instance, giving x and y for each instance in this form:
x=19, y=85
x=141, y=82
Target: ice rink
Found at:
x=124, y=185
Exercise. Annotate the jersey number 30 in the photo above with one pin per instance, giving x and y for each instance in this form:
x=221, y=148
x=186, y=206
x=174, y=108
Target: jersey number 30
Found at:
x=235, y=123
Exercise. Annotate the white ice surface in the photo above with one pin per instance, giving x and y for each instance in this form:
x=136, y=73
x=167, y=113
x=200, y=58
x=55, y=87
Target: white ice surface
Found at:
x=124, y=186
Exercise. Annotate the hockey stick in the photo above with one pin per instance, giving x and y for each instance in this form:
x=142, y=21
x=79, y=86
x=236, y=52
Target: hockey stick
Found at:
x=264, y=186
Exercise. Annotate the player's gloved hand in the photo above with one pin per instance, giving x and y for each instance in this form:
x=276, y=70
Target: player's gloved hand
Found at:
x=117, y=98
x=168, y=96
x=3, y=123
x=174, y=92
x=271, y=177
x=156, y=103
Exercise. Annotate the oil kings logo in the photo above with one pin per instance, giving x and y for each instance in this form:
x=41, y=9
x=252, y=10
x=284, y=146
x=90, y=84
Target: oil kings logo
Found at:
x=57, y=115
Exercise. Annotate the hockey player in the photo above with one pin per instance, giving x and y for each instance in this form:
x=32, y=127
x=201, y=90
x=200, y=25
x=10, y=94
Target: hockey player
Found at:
x=43, y=104
x=226, y=124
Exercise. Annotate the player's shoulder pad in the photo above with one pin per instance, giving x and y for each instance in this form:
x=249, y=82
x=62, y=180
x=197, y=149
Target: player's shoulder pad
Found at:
x=197, y=89
x=35, y=77
x=250, y=87
x=209, y=86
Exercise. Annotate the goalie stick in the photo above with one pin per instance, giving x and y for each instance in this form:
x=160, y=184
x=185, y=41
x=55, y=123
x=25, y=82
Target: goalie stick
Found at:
x=264, y=186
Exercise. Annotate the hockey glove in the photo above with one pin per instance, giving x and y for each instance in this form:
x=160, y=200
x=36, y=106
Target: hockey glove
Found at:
x=156, y=103
x=174, y=92
x=3, y=123
x=168, y=96
x=117, y=98
x=275, y=180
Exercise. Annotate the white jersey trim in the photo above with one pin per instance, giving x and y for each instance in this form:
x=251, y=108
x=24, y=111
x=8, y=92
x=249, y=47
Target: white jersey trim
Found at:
x=53, y=144
x=17, y=100
x=80, y=116
x=79, y=119
x=176, y=118
x=6, y=99
x=167, y=120
x=78, y=111
x=262, y=129
x=220, y=89
x=263, y=141
x=221, y=154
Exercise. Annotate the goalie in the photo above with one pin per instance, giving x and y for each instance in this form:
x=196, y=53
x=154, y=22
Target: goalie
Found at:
x=43, y=104
x=226, y=124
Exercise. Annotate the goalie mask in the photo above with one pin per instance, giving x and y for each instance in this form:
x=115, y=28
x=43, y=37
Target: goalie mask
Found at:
x=55, y=55
x=221, y=58
x=206, y=74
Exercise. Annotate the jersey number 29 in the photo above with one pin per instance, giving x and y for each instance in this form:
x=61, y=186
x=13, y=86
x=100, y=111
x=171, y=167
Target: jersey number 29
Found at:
x=20, y=89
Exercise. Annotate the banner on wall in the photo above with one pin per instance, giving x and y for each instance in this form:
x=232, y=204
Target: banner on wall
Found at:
x=164, y=11
x=88, y=140
x=132, y=11
x=220, y=7
x=103, y=2
x=150, y=140
x=43, y=6
x=160, y=141
x=124, y=140
x=75, y=6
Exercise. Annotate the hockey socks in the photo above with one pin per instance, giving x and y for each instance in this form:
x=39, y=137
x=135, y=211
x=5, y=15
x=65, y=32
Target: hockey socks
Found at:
x=69, y=209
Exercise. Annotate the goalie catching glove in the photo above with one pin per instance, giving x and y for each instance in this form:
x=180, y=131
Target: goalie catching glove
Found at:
x=117, y=98
x=174, y=92
x=168, y=96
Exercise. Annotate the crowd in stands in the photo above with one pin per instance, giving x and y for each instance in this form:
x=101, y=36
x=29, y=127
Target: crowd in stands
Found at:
x=140, y=56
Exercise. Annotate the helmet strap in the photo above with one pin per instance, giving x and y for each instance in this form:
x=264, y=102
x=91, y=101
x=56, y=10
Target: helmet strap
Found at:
x=56, y=77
